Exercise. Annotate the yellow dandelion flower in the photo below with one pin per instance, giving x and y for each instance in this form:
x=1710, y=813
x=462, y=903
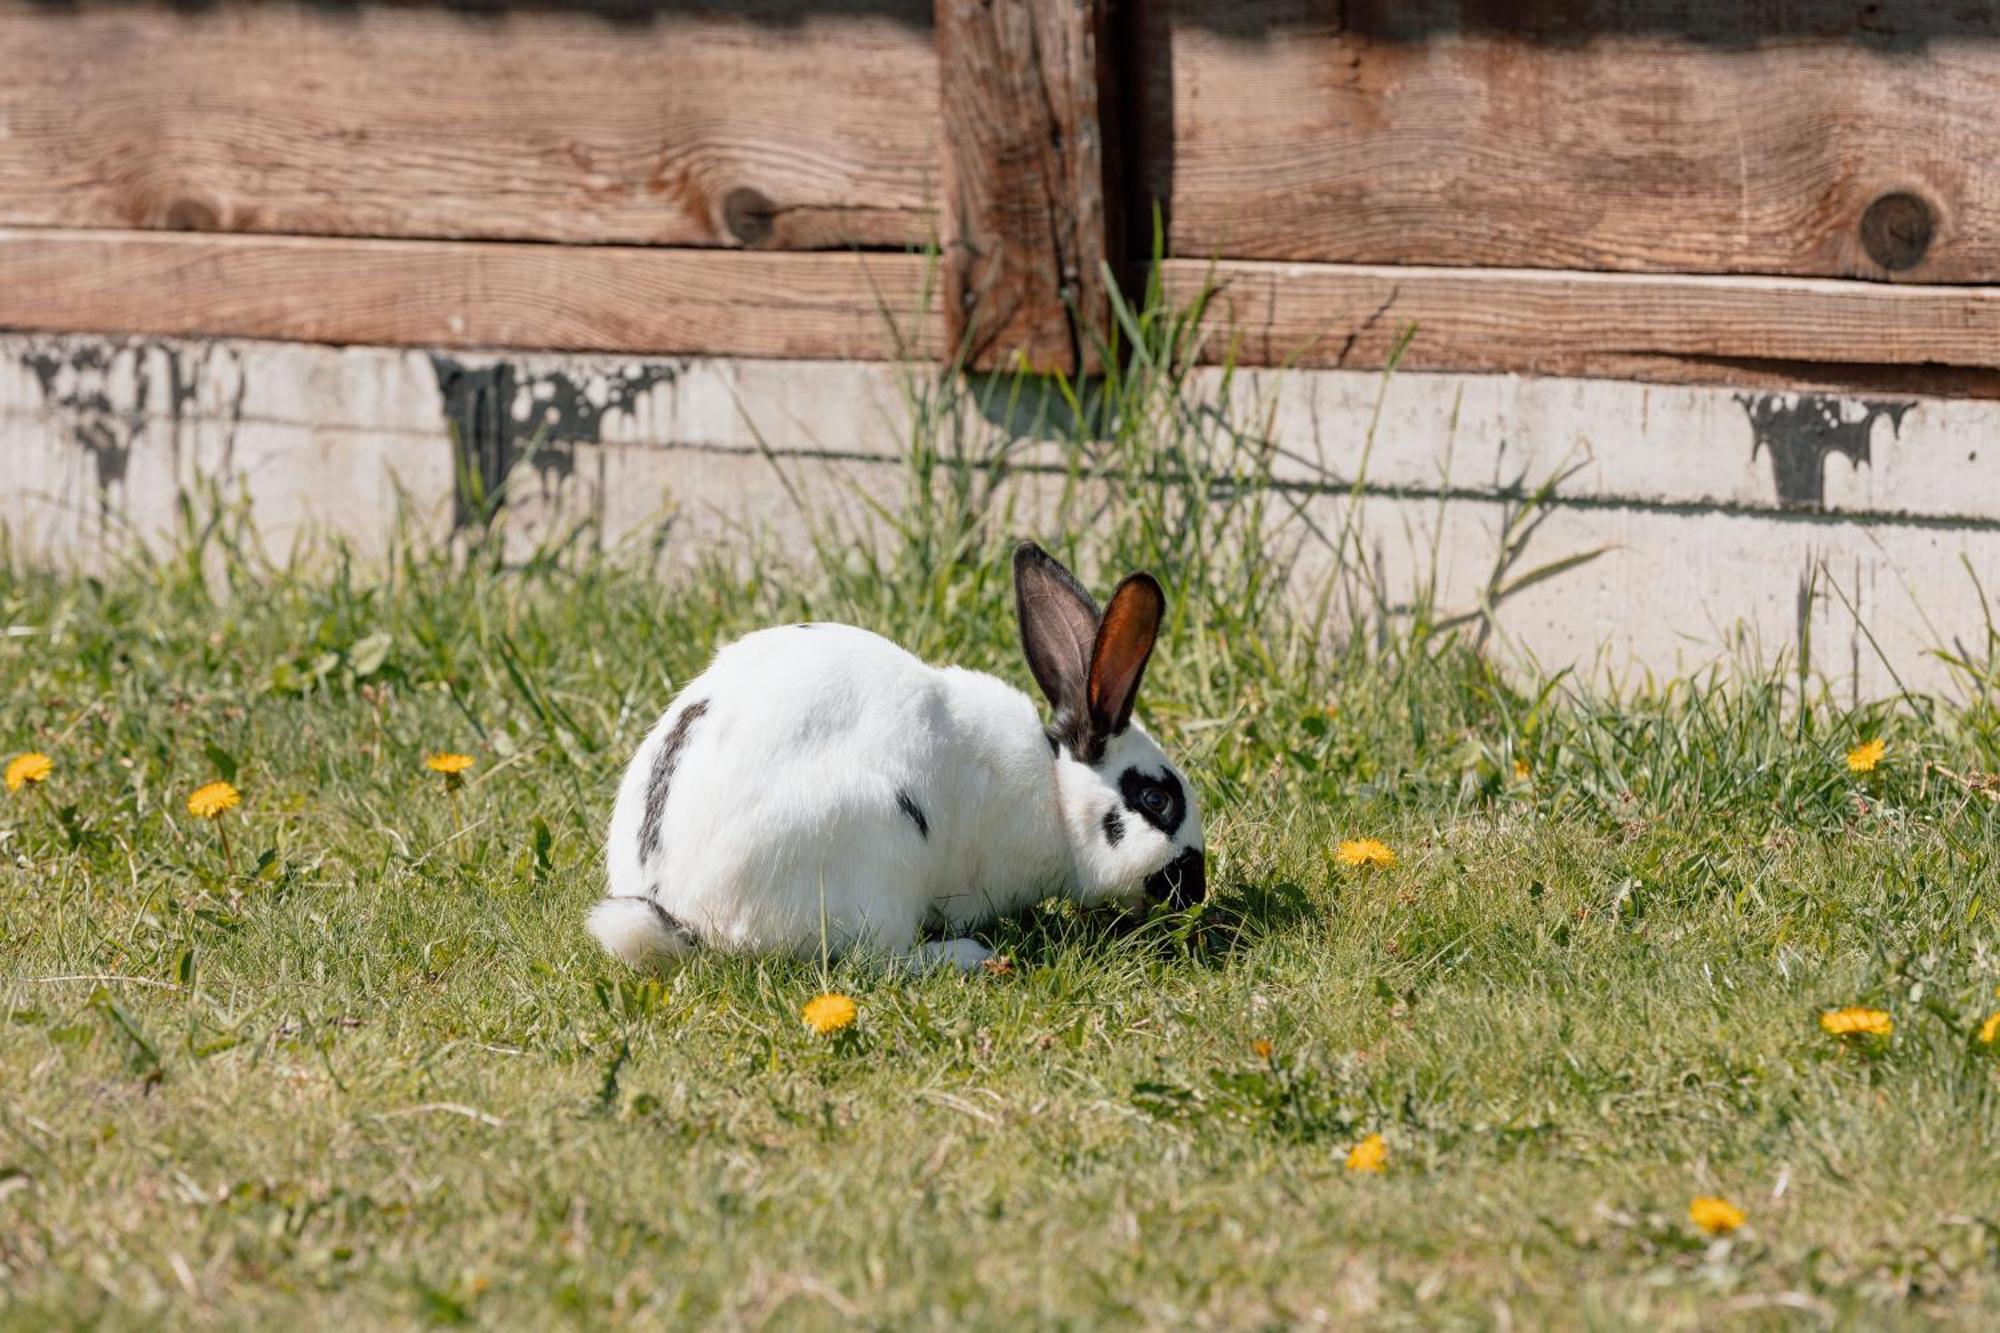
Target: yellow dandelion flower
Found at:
x=211, y=799
x=25, y=770
x=1371, y=1155
x=1366, y=852
x=1521, y=770
x=1856, y=1021
x=1261, y=1048
x=828, y=1014
x=1716, y=1216
x=1989, y=1031
x=1864, y=757
x=447, y=763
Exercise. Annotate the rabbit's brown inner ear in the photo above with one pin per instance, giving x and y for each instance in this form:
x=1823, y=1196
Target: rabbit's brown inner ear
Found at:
x=1058, y=626
x=1124, y=642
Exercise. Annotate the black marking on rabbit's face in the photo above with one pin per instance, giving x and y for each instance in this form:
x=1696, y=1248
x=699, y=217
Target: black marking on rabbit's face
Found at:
x=1160, y=801
x=909, y=806
x=661, y=779
x=1114, y=826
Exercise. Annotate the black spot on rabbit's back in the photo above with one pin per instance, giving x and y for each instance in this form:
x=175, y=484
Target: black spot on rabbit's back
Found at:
x=908, y=805
x=665, y=760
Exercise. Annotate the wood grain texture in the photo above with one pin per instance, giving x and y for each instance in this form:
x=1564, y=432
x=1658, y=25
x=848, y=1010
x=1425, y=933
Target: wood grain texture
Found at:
x=1714, y=136
x=882, y=306
x=470, y=294
x=1026, y=230
x=754, y=123
x=1561, y=323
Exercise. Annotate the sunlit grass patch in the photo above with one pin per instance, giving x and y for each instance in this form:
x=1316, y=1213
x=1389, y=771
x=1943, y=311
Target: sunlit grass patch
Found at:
x=1511, y=994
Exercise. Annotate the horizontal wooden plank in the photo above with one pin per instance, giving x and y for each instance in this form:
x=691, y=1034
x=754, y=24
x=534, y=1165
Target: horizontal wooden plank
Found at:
x=770, y=123
x=1797, y=137
x=471, y=294
x=873, y=306
x=1547, y=322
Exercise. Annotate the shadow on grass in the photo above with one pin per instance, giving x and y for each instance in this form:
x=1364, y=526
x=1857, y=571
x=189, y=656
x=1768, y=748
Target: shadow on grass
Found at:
x=1209, y=934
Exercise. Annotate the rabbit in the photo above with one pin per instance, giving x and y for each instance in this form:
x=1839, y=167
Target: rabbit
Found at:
x=819, y=786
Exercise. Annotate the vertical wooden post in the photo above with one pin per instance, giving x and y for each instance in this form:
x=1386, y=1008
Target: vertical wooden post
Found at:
x=1026, y=230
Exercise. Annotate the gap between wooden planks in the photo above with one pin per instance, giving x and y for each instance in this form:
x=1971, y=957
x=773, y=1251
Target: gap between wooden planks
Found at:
x=879, y=305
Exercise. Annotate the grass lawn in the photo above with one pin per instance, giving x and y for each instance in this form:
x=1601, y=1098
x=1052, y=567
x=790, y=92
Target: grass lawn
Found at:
x=366, y=1068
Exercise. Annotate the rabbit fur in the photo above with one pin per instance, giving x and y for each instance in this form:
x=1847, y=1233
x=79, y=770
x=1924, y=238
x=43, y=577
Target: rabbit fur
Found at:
x=817, y=786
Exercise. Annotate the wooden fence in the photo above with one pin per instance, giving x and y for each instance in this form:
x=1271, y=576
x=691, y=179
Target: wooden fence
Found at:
x=1772, y=190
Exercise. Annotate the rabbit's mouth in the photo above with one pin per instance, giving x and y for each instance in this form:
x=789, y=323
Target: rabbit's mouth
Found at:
x=1183, y=881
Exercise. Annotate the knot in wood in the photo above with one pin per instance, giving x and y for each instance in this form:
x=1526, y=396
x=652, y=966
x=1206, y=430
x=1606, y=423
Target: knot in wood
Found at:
x=749, y=215
x=1896, y=230
x=191, y=214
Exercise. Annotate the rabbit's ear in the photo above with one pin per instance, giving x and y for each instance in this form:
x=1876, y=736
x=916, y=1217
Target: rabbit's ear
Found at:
x=1058, y=629
x=1124, y=643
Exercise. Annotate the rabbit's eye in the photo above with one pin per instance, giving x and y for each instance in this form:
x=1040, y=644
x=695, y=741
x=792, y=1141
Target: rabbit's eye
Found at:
x=1157, y=799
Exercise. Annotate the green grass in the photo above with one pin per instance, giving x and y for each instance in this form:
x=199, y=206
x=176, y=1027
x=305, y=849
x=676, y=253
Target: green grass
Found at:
x=378, y=1075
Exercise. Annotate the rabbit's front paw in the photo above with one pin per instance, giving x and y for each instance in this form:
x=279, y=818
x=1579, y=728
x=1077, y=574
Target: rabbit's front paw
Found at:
x=965, y=955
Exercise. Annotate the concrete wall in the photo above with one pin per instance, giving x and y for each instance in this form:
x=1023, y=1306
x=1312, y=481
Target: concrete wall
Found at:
x=1724, y=524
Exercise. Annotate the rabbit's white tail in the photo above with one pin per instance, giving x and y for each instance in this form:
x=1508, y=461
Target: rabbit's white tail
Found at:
x=639, y=932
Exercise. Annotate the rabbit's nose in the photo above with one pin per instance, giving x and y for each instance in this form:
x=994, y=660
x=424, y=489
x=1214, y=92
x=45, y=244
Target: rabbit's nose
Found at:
x=1183, y=882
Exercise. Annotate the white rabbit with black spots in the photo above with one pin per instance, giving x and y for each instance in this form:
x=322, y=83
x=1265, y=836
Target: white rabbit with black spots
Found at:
x=818, y=783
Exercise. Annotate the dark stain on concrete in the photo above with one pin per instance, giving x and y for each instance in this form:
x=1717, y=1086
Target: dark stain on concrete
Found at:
x=478, y=402
x=78, y=378
x=502, y=416
x=1800, y=430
